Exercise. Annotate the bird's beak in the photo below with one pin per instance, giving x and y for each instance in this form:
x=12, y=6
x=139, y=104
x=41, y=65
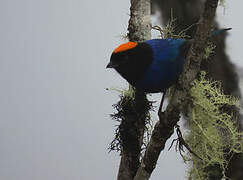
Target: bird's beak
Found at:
x=111, y=65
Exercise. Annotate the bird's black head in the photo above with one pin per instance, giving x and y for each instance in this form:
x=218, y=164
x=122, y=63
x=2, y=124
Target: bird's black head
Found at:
x=131, y=60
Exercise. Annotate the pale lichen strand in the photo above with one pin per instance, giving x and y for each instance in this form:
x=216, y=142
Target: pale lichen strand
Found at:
x=209, y=50
x=212, y=130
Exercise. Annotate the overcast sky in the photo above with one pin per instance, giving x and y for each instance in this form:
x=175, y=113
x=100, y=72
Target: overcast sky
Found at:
x=54, y=109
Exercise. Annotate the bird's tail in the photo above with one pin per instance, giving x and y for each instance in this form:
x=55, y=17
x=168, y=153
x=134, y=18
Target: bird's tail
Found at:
x=189, y=42
x=217, y=32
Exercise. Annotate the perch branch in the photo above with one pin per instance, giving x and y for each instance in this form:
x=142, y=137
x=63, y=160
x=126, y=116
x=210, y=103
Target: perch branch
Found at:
x=167, y=120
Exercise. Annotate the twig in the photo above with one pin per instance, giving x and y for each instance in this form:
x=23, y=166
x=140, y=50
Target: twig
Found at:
x=180, y=143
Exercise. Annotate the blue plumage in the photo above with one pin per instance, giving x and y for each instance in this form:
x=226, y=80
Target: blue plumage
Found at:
x=154, y=65
x=166, y=66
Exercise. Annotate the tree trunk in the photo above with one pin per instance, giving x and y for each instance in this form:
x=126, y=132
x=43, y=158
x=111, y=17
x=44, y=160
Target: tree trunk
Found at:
x=138, y=30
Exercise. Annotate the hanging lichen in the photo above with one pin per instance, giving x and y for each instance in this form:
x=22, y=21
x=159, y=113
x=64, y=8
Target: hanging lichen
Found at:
x=214, y=135
x=128, y=111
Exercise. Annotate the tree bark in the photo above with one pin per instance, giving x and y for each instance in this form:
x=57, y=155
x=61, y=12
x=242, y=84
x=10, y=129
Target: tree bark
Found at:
x=139, y=30
x=218, y=68
x=186, y=13
x=164, y=128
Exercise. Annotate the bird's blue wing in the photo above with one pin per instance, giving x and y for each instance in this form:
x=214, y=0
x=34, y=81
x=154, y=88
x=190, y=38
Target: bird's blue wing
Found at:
x=166, y=66
x=165, y=49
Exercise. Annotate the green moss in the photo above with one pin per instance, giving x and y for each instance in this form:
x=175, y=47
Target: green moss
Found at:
x=127, y=94
x=209, y=50
x=169, y=30
x=222, y=3
x=129, y=110
x=213, y=133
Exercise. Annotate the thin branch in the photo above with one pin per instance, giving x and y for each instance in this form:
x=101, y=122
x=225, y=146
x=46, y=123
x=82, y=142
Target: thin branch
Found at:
x=165, y=126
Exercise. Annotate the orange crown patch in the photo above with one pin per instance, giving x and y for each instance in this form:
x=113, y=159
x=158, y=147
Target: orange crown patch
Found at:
x=126, y=46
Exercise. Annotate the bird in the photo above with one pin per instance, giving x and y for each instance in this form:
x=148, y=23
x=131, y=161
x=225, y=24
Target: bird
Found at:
x=152, y=66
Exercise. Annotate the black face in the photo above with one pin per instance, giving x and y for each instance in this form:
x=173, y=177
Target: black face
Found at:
x=132, y=64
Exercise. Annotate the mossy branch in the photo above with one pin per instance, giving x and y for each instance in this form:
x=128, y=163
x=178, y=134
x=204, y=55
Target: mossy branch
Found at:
x=212, y=121
x=164, y=128
x=204, y=99
x=134, y=105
